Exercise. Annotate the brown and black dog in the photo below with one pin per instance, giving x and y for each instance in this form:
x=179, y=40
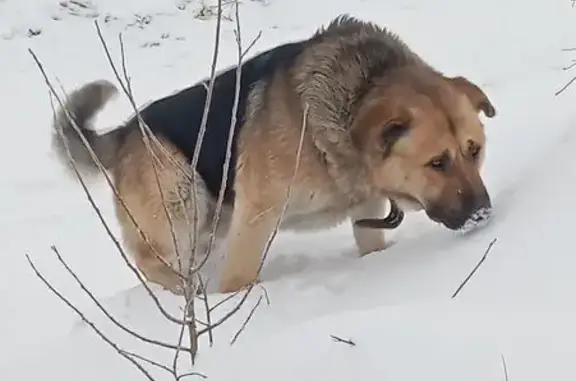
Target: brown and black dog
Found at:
x=381, y=124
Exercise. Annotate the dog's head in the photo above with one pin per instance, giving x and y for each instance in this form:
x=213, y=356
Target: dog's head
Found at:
x=422, y=139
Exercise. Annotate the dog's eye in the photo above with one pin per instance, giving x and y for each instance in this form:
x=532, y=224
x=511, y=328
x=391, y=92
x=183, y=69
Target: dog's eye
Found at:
x=474, y=150
x=440, y=163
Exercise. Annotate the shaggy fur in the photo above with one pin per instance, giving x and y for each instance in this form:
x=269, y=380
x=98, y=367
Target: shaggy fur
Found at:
x=381, y=124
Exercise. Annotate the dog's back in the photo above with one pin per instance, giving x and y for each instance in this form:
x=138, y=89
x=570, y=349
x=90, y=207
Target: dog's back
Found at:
x=178, y=117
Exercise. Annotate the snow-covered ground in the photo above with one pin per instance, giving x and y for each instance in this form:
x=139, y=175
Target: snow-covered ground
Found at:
x=395, y=306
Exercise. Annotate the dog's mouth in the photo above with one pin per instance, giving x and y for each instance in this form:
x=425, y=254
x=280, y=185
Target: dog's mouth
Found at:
x=476, y=220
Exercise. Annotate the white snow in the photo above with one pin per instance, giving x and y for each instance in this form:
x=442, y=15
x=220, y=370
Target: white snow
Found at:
x=395, y=306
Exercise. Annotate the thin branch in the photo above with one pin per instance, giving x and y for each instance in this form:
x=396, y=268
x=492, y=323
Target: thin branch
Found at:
x=265, y=292
x=505, y=367
x=475, y=268
x=344, y=341
x=231, y=313
x=289, y=190
x=146, y=141
x=192, y=331
x=566, y=86
x=87, y=321
x=190, y=374
x=248, y=318
x=225, y=300
x=180, y=340
x=147, y=360
x=87, y=192
x=250, y=287
x=231, y=131
x=188, y=282
x=207, y=308
x=103, y=309
x=126, y=88
x=251, y=45
x=204, y=122
x=566, y=68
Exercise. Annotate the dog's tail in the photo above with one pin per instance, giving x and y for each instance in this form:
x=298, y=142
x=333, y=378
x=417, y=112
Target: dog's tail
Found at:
x=82, y=105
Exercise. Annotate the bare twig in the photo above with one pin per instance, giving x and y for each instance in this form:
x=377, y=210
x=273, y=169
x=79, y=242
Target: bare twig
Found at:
x=207, y=308
x=252, y=43
x=248, y=318
x=573, y=64
x=250, y=287
x=475, y=268
x=266, y=296
x=225, y=300
x=127, y=89
x=204, y=122
x=566, y=86
x=87, y=321
x=105, y=311
x=231, y=131
x=145, y=138
x=344, y=341
x=173, y=372
x=180, y=340
x=147, y=360
x=87, y=192
x=233, y=311
x=566, y=68
x=223, y=183
x=192, y=330
x=505, y=367
x=190, y=374
x=98, y=304
x=188, y=282
x=289, y=190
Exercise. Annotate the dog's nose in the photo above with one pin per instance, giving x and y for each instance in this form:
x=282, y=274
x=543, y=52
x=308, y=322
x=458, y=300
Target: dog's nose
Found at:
x=476, y=209
x=469, y=209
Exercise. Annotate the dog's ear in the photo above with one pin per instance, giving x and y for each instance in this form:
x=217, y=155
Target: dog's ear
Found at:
x=478, y=98
x=390, y=133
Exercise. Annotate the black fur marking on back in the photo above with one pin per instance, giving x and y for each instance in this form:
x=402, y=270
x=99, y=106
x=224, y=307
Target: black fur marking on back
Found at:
x=178, y=117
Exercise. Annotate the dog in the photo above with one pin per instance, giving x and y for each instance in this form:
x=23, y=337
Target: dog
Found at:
x=370, y=119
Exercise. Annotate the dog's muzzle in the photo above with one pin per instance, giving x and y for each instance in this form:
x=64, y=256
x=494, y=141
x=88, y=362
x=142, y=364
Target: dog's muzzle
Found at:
x=474, y=211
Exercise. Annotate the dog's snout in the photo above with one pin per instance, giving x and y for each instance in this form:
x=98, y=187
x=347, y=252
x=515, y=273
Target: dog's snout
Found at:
x=466, y=209
x=471, y=201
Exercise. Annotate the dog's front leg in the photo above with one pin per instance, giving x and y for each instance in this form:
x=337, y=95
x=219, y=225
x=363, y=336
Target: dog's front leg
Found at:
x=249, y=232
x=368, y=239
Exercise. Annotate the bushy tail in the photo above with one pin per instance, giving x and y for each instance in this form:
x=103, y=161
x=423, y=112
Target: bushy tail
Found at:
x=82, y=105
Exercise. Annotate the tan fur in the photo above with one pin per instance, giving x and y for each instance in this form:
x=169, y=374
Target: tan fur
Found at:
x=145, y=190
